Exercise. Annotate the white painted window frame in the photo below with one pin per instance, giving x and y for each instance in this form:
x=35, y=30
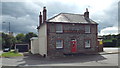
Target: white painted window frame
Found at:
x=87, y=29
x=59, y=28
x=59, y=44
x=87, y=44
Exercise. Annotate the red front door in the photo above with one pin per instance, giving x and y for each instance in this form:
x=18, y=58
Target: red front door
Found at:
x=73, y=46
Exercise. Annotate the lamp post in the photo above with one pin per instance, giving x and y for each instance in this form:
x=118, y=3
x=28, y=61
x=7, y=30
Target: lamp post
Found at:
x=9, y=26
x=11, y=43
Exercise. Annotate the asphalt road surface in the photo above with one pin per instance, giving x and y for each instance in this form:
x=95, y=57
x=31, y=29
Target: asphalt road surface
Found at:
x=0, y=59
x=84, y=60
x=79, y=60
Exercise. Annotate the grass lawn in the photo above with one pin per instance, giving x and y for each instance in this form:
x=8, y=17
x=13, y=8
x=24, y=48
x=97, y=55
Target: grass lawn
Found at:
x=11, y=54
x=107, y=40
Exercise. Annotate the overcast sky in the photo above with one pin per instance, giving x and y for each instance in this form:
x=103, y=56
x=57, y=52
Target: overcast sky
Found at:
x=23, y=16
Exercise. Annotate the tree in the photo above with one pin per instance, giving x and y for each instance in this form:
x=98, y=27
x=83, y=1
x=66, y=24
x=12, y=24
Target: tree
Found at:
x=28, y=36
x=5, y=40
x=108, y=36
x=20, y=38
x=118, y=40
x=13, y=41
x=8, y=40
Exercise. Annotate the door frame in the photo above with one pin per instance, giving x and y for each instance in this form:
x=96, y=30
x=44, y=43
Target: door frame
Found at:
x=71, y=45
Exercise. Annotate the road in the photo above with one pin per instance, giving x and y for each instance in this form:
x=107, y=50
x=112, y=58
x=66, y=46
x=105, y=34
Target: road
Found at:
x=0, y=59
x=81, y=60
x=1, y=52
x=89, y=60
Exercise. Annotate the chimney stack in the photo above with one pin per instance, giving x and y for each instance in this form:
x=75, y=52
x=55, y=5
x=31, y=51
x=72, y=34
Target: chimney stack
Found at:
x=44, y=14
x=40, y=19
x=86, y=14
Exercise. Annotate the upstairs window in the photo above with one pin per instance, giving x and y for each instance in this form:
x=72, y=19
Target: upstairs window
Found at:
x=59, y=28
x=87, y=43
x=87, y=28
x=59, y=43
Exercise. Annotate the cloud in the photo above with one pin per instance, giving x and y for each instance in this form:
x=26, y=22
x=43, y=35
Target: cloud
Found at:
x=13, y=9
x=21, y=24
x=0, y=16
x=109, y=30
x=111, y=22
x=22, y=17
x=25, y=14
x=107, y=17
x=119, y=17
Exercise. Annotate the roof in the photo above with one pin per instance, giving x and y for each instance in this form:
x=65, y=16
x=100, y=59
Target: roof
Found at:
x=33, y=38
x=70, y=18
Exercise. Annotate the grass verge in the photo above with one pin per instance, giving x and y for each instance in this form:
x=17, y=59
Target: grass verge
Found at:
x=11, y=54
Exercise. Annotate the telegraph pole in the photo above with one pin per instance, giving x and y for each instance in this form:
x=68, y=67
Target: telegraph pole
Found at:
x=9, y=26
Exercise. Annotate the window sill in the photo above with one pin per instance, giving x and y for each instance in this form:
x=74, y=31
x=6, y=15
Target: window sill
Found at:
x=59, y=32
x=59, y=48
x=88, y=48
x=87, y=33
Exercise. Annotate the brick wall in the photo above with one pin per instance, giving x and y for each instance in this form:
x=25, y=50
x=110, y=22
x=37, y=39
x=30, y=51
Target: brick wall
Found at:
x=71, y=31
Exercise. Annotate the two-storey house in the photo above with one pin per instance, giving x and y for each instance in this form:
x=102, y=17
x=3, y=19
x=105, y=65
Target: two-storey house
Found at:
x=66, y=33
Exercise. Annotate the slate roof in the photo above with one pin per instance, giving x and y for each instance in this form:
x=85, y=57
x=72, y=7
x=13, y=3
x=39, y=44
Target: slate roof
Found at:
x=70, y=18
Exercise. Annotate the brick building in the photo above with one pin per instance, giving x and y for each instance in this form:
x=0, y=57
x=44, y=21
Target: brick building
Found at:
x=66, y=33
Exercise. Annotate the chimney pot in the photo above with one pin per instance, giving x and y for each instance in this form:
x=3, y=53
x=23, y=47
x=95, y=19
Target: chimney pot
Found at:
x=44, y=7
x=86, y=14
x=44, y=14
x=40, y=19
x=86, y=9
x=40, y=13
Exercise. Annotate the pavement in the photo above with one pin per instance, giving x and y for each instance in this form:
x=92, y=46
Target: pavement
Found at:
x=81, y=60
x=1, y=52
x=1, y=58
x=110, y=50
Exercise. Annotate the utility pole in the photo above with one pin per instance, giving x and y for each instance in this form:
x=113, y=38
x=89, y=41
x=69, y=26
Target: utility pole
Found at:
x=10, y=33
x=9, y=27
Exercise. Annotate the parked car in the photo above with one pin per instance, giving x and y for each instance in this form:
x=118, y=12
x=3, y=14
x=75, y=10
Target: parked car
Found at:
x=6, y=49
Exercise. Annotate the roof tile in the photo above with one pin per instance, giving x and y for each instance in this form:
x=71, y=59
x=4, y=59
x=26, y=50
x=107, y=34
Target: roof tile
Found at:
x=71, y=18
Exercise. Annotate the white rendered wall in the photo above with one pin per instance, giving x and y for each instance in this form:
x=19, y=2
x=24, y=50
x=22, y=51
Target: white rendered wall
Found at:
x=34, y=46
x=42, y=35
